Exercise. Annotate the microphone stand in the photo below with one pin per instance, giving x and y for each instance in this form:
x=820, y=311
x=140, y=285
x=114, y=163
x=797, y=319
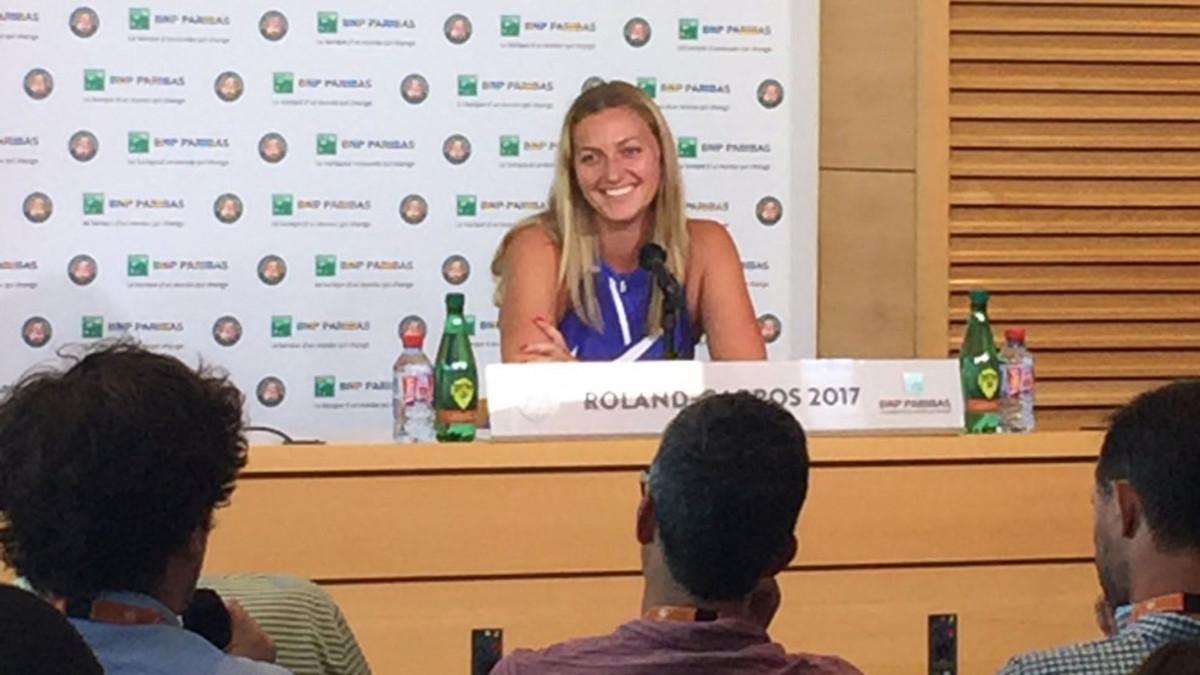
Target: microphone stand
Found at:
x=670, y=312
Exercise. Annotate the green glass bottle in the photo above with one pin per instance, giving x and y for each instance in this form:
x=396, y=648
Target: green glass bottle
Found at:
x=456, y=380
x=979, y=362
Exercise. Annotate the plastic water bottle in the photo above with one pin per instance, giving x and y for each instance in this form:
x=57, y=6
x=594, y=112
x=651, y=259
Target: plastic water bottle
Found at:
x=412, y=399
x=1016, y=403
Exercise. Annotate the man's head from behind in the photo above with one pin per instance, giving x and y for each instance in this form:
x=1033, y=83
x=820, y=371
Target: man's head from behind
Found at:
x=110, y=472
x=1145, y=499
x=725, y=491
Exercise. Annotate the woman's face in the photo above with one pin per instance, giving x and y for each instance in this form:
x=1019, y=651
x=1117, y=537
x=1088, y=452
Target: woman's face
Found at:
x=230, y=87
x=85, y=22
x=272, y=148
x=84, y=146
x=617, y=163
x=273, y=26
x=770, y=211
x=38, y=85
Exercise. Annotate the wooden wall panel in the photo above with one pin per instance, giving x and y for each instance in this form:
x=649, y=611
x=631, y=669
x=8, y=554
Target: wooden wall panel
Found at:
x=533, y=523
x=868, y=103
x=868, y=159
x=1074, y=178
x=876, y=619
x=867, y=223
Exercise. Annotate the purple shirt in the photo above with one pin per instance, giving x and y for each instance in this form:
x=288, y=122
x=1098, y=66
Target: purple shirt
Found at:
x=724, y=646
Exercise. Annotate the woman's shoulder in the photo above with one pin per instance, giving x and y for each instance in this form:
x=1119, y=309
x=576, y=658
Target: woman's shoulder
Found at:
x=702, y=228
x=709, y=238
x=532, y=233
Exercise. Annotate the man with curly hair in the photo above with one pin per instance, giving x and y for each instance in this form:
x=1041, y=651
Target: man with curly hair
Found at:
x=109, y=476
x=716, y=524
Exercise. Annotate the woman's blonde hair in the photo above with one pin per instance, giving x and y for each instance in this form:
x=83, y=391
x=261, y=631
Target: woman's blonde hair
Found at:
x=569, y=219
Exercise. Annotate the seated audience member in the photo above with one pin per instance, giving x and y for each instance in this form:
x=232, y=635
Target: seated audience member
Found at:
x=716, y=523
x=1147, y=534
x=310, y=633
x=109, y=476
x=35, y=639
x=1181, y=657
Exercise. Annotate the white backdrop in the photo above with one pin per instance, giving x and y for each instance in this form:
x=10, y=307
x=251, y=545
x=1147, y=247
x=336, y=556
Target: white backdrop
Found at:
x=129, y=242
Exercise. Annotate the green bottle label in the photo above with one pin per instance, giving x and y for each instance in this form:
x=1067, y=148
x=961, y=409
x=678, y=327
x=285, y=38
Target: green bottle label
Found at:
x=989, y=382
x=462, y=391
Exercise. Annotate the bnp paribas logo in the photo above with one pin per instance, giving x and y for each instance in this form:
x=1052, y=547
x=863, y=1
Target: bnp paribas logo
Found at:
x=324, y=386
x=137, y=265
x=281, y=326
x=285, y=82
x=510, y=25
x=689, y=147
x=282, y=204
x=510, y=145
x=648, y=85
x=689, y=29
x=139, y=18
x=93, y=203
x=327, y=22
x=327, y=144
x=93, y=327
x=467, y=205
x=468, y=85
x=326, y=265
x=139, y=142
x=93, y=79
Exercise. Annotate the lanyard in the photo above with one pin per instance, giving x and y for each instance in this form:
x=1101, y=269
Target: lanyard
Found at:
x=674, y=613
x=1186, y=604
x=107, y=611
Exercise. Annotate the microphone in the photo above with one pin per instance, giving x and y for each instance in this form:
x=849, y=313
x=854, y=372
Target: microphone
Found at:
x=653, y=259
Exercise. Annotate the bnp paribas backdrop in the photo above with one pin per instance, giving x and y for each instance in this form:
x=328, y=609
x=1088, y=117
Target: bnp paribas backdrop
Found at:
x=276, y=188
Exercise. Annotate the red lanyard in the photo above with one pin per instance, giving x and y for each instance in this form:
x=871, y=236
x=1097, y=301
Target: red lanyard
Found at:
x=1186, y=604
x=672, y=613
x=107, y=611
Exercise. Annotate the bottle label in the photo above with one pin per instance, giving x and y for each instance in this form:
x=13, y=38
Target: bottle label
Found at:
x=1018, y=380
x=989, y=382
x=982, y=405
x=462, y=391
x=456, y=416
x=418, y=388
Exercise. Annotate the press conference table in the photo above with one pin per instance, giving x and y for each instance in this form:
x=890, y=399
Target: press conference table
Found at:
x=421, y=543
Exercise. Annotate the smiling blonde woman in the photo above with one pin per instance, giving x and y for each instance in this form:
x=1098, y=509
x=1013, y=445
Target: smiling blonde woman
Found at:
x=567, y=280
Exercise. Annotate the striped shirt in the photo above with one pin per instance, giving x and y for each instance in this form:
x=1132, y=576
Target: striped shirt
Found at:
x=310, y=633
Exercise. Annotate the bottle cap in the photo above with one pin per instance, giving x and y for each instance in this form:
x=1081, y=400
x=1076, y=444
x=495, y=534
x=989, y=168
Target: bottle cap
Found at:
x=1014, y=334
x=979, y=296
x=455, y=302
x=413, y=338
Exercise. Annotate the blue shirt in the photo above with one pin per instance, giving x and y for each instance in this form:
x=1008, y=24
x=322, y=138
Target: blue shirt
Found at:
x=624, y=301
x=164, y=648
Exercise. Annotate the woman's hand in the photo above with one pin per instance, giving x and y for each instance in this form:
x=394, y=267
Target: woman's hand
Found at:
x=552, y=348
